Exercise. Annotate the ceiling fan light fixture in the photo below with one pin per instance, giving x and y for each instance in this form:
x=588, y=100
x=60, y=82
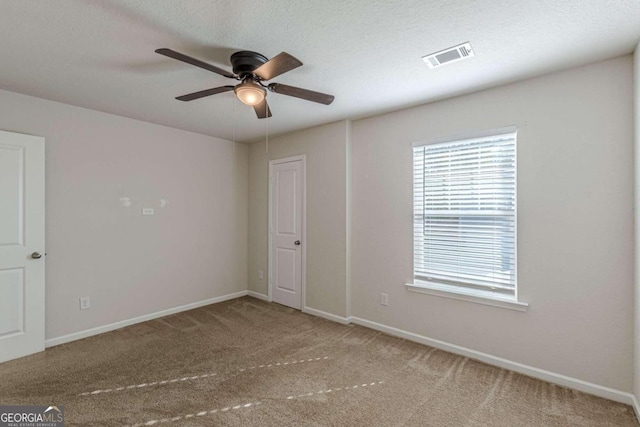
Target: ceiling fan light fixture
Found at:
x=250, y=93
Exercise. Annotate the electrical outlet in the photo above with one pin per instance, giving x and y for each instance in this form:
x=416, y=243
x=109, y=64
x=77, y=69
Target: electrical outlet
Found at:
x=85, y=303
x=384, y=299
x=260, y=275
x=148, y=211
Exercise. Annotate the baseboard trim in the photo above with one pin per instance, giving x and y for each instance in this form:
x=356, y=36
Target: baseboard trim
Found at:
x=328, y=316
x=128, y=322
x=559, y=379
x=636, y=406
x=258, y=295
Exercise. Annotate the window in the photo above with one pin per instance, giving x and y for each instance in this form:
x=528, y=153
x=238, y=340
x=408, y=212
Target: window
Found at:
x=464, y=221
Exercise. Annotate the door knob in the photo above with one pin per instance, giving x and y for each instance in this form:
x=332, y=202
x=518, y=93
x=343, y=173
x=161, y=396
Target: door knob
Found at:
x=36, y=255
x=297, y=243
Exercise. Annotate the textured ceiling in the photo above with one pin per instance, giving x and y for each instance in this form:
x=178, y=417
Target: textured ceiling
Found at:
x=100, y=54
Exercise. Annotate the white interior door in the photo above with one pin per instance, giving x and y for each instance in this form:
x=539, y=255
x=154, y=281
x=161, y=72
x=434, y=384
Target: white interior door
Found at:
x=21, y=245
x=286, y=230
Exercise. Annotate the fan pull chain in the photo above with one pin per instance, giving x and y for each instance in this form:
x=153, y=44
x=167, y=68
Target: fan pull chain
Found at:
x=233, y=122
x=267, y=126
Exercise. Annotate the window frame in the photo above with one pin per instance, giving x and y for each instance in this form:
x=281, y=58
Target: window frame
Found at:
x=461, y=292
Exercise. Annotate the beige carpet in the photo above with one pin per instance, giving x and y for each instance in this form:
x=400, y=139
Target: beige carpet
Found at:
x=250, y=363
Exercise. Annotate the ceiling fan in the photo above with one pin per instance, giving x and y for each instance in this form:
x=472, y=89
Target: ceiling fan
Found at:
x=252, y=68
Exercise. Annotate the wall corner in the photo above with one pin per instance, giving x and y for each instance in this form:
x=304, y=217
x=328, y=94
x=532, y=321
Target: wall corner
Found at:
x=348, y=163
x=636, y=204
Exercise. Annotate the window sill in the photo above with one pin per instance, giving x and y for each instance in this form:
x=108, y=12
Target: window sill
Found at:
x=470, y=295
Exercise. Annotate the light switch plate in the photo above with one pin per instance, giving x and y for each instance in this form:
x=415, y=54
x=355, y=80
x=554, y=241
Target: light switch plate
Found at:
x=384, y=299
x=147, y=211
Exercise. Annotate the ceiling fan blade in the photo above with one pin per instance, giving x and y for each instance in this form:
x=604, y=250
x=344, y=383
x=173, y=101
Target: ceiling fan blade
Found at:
x=309, y=95
x=262, y=110
x=189, y=60
x=203, y=93
x=277, y=65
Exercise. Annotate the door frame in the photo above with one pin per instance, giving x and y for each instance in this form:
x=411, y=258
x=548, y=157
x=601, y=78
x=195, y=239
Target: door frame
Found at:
x=303, y=224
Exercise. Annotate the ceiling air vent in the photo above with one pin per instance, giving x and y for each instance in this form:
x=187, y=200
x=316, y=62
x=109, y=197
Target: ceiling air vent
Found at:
x=449, y=55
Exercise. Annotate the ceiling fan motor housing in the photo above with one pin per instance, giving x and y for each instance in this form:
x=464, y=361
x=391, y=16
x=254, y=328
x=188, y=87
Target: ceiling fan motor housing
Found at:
x=245, y=62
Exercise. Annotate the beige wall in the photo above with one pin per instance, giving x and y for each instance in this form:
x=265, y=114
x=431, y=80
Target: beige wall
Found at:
x=575, y=223
x=129, y=265
x=325, y=150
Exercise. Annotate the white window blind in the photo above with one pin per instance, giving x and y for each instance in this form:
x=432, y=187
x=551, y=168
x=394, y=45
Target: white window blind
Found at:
x=465, y=213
